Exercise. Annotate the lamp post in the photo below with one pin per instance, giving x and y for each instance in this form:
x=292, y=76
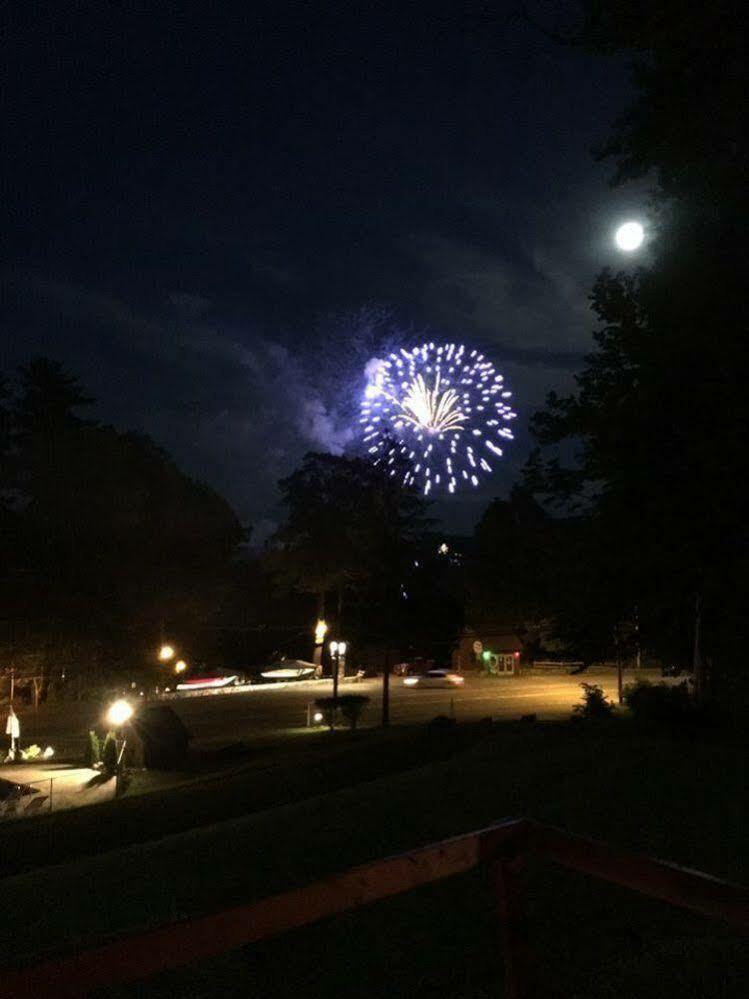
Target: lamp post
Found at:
x=166, y=653
x=120, y=712
x=338, y=657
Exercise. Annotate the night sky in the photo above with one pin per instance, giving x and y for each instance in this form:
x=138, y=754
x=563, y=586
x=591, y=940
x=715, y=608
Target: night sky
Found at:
x=205, y=208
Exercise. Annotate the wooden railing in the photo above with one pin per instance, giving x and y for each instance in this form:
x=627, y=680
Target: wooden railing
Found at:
x=501, y=848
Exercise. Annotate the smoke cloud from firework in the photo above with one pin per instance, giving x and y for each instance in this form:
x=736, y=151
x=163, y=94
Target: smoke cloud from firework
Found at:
x=436, y=414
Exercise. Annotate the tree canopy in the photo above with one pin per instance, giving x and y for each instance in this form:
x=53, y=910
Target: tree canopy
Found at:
x=658, y=420
x=354, y=534
x=107, y=542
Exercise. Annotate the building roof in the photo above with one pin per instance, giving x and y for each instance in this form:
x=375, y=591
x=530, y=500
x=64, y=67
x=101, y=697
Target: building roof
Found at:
x=494, y=639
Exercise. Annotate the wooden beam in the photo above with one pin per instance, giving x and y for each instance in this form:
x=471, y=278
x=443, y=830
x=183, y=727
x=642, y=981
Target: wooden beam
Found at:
x=502, y=846
x=679, y=886
x=143, y=954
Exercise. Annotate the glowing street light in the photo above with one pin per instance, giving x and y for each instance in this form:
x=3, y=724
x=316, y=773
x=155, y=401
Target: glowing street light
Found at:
x=629, y=236
x=180, y=666
x=119, y=712
x=337, y=653
x=321, y=630
x=166, y=652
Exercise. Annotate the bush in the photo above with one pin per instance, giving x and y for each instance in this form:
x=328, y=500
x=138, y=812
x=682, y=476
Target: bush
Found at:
x=109, y=753
x=92, y=750
x=442, y=725
x=595, y=705
x=350, y=706
x=157, y=738
x=661, y=703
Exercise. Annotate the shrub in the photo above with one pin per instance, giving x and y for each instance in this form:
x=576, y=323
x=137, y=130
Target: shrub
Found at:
x=92, y=750
x=595, y=705
x=350, y=706
x=157, y=738
x=442, y=725
x=109, y=753
x=661, y=703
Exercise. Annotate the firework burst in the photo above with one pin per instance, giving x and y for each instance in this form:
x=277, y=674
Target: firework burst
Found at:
x=437, y=414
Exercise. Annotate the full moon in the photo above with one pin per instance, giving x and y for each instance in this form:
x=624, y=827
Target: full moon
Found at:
x=629, y=236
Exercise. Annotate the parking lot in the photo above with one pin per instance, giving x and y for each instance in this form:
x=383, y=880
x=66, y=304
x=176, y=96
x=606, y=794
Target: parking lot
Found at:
x=267, y=712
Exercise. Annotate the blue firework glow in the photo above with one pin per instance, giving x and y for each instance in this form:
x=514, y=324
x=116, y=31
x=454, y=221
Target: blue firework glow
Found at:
x=441, y=411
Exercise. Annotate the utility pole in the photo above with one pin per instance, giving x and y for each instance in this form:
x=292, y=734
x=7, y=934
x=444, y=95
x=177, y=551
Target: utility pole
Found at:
x=698, y=665
x=619, y=686
x=335, y=675
x=386, y=690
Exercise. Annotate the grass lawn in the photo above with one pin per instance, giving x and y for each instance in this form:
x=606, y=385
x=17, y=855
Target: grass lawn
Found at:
x=159, y=804
x=679, y=799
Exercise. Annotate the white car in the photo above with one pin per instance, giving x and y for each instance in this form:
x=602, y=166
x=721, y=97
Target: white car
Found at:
x=434, y=678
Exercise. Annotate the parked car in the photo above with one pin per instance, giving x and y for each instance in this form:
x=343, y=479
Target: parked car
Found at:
x=434, y=678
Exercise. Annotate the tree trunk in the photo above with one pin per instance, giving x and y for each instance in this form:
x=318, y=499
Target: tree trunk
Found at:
x=318, y=649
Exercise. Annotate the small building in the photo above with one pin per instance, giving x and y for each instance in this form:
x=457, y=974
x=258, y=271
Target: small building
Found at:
x=489, y=650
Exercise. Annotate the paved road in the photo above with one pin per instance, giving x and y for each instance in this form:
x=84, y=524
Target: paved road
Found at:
x=264, y=712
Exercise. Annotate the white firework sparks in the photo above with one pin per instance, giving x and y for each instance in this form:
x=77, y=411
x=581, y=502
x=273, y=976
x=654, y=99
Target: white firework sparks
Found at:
x=437, y=409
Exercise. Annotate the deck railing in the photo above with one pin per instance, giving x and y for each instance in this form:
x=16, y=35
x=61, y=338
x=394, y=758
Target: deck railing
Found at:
x=501, y=847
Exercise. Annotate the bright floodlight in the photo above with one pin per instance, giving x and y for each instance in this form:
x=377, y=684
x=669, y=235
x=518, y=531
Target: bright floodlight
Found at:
x=166, y=652
x=629, y=236
x=119, y=712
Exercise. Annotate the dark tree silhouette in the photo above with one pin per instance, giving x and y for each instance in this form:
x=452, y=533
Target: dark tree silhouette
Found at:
x=659, y=417
x=111, y=542
x=353, y=531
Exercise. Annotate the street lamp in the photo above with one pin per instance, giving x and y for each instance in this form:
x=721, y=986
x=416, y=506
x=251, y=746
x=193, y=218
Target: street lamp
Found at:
x=337, y=653
x=166, y=652
x=180, y=666
x=120, y=712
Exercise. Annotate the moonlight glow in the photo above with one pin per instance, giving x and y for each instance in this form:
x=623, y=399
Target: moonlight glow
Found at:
x=437, y=414
x=629, y=236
